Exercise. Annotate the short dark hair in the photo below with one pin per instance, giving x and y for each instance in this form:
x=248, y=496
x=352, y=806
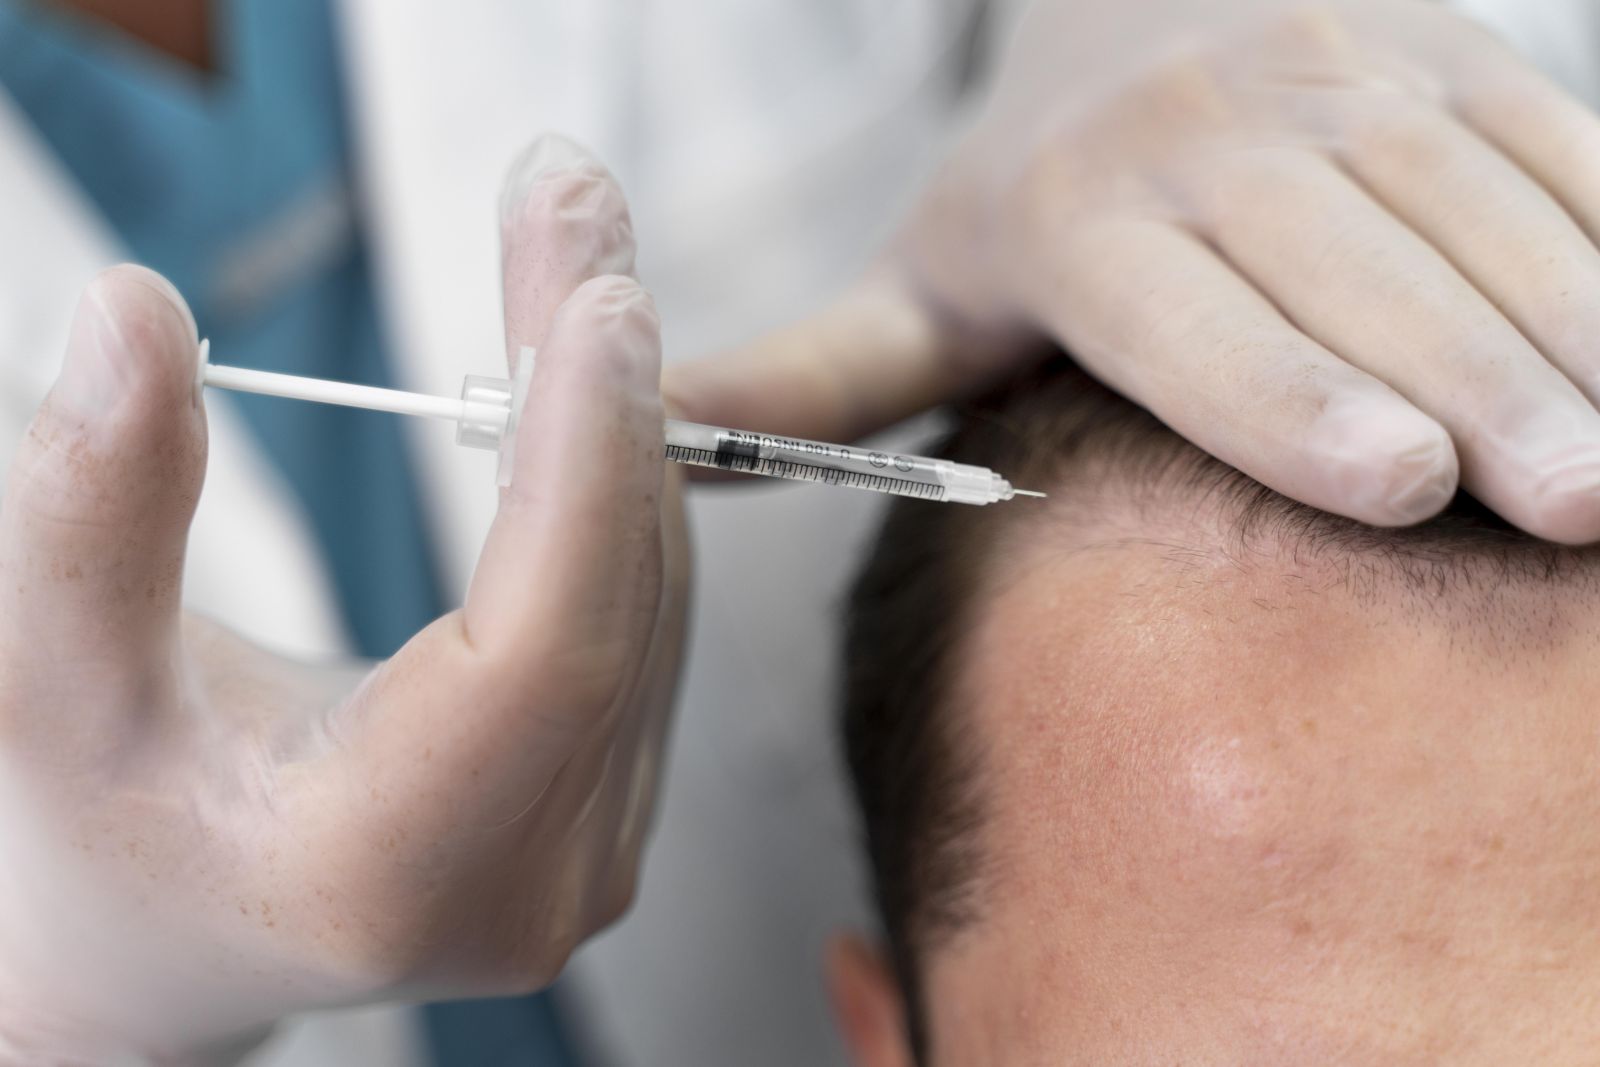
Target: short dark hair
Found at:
x=911, y=604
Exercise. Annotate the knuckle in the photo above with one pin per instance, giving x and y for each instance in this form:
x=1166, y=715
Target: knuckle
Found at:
x=1187, y=88
x=1315, y=26
x=1174, y=322
x=1359, y=257
x=1396, y=128
x=1232, y=191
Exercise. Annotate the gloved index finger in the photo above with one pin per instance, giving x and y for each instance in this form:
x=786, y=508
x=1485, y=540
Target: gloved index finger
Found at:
x=568, y=580
x=563, y=220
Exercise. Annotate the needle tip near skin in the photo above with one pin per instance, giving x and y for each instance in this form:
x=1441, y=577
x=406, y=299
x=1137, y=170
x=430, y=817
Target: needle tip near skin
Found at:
x=1028, y=492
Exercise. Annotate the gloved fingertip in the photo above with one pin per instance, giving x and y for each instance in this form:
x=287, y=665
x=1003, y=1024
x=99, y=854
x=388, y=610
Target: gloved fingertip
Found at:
x=551, y=155
x=1422, y=480
x=133, y=336
x=608, y=332
x=135, y=274
x=1565, y=501
x=563, y=220
x=1389, y=464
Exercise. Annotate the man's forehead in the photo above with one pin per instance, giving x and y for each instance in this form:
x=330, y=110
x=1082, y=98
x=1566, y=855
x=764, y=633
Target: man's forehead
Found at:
x=1106, y=673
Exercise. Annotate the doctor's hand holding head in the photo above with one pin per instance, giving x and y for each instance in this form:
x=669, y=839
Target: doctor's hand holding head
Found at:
x=200, y=836
x=1347, y=247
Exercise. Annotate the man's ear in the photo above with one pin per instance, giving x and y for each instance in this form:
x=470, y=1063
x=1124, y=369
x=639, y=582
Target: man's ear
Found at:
x=867, y=1003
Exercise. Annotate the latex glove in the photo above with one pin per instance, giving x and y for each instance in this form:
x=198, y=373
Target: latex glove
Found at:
x=199, y=836
x=1343, y=246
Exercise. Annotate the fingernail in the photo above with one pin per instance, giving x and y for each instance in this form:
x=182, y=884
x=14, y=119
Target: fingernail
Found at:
x=1541, y=465
x=546, y=157
x=621, y=310
x=116, y=314
x=1389, y=463
x=1566, y=500
x=95, y=372
x=1423, y=481
x=132, y=272
x=1581, y=479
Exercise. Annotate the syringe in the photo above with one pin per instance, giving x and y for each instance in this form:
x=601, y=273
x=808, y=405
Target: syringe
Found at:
x=487, y=412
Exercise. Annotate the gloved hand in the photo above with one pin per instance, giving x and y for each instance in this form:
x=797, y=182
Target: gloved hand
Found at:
x=198, y=836
x=1345, y=246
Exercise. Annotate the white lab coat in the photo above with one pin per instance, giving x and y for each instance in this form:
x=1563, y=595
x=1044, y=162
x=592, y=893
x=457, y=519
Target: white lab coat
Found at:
x=766, y=147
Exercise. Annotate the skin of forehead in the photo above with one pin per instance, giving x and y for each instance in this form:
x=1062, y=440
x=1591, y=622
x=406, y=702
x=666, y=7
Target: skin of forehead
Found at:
x=1252, y=813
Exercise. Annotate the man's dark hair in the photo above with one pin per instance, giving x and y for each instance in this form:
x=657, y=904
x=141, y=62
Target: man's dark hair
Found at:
x=910, y=757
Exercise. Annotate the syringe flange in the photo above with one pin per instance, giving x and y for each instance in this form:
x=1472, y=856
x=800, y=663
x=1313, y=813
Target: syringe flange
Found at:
x=492, y=408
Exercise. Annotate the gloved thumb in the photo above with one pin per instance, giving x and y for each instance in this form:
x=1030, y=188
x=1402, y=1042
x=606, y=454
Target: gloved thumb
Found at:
x=98, y=501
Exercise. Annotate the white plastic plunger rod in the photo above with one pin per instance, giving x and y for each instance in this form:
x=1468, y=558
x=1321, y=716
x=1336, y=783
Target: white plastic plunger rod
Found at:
x=270, y=383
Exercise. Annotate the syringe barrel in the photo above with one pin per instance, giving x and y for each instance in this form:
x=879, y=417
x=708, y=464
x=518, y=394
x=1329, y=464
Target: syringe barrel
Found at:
x=800, y=459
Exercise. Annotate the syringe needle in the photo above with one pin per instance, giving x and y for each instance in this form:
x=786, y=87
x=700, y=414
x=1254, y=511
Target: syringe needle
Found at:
x=1028, y=492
